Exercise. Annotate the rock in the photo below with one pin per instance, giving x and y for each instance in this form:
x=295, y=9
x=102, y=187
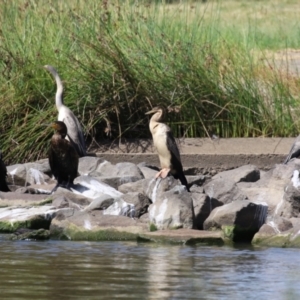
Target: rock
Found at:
x=268, y=236
x=16, y=174
x=93, y=188
x=172, y=210
x=27, y=234
x=270, y=189
x=89, y=164
x=132, y=187
x=100, y=203
x=17, y=199
x=239, y=220
x=106, y=169
x=148, y=172
x=29, y=173
x=223, y=190
x=13, y=218
x=77, y=200
x=203, y=206
x=154, y=188
x=185, y=237
x=120, y=208
x=247, y=173
x=196, y=180
x=94, y=226
x=140, y=202
x=115, y=182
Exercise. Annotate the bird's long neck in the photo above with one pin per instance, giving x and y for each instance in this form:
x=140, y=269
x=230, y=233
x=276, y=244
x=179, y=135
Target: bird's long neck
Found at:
x=59, y=91
x=155, y=120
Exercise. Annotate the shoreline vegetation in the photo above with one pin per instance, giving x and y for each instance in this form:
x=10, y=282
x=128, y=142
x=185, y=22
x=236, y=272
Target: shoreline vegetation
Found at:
x=223, y=67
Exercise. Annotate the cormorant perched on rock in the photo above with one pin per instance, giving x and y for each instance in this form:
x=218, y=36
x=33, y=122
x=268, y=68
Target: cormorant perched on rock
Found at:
x=3, y=175
x=166, y=147
x=75, y=133
x=63, y=158
x=295, y=150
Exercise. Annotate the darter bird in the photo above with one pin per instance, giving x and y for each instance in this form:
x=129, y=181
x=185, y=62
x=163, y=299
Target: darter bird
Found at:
x=166, y=147
x=75, y=133
x=294, y=151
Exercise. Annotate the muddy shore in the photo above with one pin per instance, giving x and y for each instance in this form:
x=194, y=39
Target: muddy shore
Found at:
x=203, y=154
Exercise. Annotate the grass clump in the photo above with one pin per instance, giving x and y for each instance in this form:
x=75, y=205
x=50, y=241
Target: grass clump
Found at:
x=118, y=58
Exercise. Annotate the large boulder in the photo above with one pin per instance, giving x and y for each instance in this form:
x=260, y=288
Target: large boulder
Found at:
x=276, y=188
x=172, y=210
x=224, y=190
x=203, y=205
x=92, y=187
x=246, y=173
x=239, y=220
x=94, y=226
x=13, y=218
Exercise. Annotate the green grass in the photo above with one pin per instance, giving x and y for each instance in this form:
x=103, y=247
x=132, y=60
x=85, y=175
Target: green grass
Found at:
x=214, y=61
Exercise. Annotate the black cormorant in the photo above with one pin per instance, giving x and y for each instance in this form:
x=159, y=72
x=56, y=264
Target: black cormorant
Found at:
x=63, y=158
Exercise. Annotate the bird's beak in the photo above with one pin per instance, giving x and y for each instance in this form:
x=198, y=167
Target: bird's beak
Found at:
x=150, y=112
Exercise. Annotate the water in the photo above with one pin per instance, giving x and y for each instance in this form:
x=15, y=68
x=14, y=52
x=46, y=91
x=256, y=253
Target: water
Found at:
x=128, y=270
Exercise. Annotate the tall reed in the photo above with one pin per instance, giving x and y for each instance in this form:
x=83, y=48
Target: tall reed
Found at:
x=119, y=58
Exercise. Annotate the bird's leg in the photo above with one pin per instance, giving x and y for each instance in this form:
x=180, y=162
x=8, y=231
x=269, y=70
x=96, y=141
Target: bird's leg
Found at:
x=69, y=183
x=55, y=188
x=163, y=173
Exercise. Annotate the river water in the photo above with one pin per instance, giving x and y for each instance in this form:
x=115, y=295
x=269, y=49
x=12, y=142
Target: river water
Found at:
x=130, y=270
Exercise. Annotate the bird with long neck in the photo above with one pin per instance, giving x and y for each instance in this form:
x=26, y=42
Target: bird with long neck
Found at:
x=63, y=158
x=166, y=147
x=75, y=133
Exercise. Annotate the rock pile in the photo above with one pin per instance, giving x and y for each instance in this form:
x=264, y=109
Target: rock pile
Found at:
x=125, y=202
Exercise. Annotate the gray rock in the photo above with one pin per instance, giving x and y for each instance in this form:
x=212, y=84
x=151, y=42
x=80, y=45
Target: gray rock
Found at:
x=203, y=206
x=247, y=173
x=223, y=190
x=120, y=208
x=140, y=202
x=239, y=220
x=27, y=234
x=106, y=169
x=270, y=189
x=100, y=203
x=132, y=187
x=147, y=171
x=94, y=226
x=93, y=188
x=89, y=164
x=13, y=218
x=115, y=182
x=171, y=210
x=154, y=188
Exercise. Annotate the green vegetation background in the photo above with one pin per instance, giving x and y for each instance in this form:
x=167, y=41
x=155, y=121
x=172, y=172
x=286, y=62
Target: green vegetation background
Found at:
x=217, y=64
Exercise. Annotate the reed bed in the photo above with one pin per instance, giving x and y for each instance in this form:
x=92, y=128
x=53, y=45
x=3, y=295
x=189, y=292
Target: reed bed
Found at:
x=211, y=63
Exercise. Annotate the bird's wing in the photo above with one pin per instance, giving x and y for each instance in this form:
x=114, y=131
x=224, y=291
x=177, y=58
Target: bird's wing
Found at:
x=172, y=146
x=75, y=132
x=295, y=150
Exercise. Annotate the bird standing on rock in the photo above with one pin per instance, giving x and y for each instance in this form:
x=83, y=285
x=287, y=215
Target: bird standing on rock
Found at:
x=294, y=151
x=75, y=133
x=63, y=158
x=3, y=175
x=166, y=147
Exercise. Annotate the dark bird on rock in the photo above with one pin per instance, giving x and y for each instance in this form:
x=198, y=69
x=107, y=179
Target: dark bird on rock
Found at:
x=63, y=158
x=166, y=147
x=75, y=133
x=295, y=150
x=3, y=175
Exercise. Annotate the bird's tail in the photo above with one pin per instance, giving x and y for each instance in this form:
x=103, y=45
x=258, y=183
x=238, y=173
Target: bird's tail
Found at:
x=182, y=179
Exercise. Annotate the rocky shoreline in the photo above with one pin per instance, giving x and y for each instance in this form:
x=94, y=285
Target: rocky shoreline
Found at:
x=123, y=201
